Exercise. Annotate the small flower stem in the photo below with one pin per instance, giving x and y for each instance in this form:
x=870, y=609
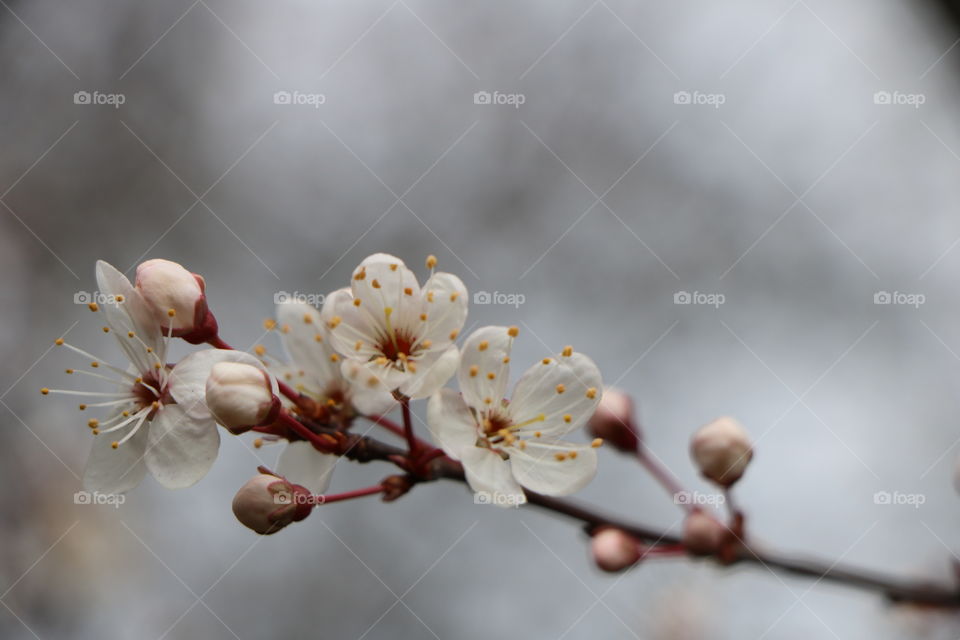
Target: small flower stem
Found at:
x=319, y=442
x=217, y=343
x=664, y=550
x=663, y=477
x=412, y=443
x=387, y=424
x=731, y=504
x=350, y=495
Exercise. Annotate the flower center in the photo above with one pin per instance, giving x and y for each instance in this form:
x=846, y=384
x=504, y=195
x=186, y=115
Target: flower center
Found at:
x=398, y=345
x=147, y=391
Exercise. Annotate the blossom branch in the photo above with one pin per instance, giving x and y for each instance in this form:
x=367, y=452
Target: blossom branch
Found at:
x=365, y=449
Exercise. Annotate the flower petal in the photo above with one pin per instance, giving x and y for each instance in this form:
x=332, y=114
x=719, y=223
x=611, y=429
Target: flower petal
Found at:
x=110, y=470
x=565, y=390
x=383, y=282
x=486, y=352
x=301, y=464
x=370, y=376
x=188, y=379
x=445, y=305
x=180, y=449
x=432, y=373
x=126, y=311
x=553, y=467
x=489, y=474
x=451, y=424
x=352, y=325
x=371, y=402
x=307, y=341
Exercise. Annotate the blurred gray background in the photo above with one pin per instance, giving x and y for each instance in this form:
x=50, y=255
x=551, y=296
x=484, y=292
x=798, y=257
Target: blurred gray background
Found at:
x=787, y=184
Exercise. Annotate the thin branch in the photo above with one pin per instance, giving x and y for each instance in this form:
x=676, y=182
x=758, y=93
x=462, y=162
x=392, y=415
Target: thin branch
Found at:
x=366, y=449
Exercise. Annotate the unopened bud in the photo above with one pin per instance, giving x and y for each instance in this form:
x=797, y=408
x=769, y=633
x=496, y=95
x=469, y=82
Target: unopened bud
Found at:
x=614, y=550
x=722, y=450
x=702, y=534
x=177, y=299
x=614, y=421
x=268, y=503
x=240, y=396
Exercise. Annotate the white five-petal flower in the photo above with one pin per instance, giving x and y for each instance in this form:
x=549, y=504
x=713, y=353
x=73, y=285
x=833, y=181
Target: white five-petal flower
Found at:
x=158, y=420
x=505, y=445
x=394, y=335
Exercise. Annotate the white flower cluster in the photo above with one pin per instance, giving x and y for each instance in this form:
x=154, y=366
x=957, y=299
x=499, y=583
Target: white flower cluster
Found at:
x=381, y=341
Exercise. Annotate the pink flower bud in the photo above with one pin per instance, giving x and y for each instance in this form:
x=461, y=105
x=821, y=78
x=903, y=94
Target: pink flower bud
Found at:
x=703, y=535
x=614, y=550
x=722, y=450
x=177, y=299
x=240, y=396
x=268, y=503
x=614, y=421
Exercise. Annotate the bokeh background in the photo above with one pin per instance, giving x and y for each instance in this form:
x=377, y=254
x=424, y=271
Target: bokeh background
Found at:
x=787, y=185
